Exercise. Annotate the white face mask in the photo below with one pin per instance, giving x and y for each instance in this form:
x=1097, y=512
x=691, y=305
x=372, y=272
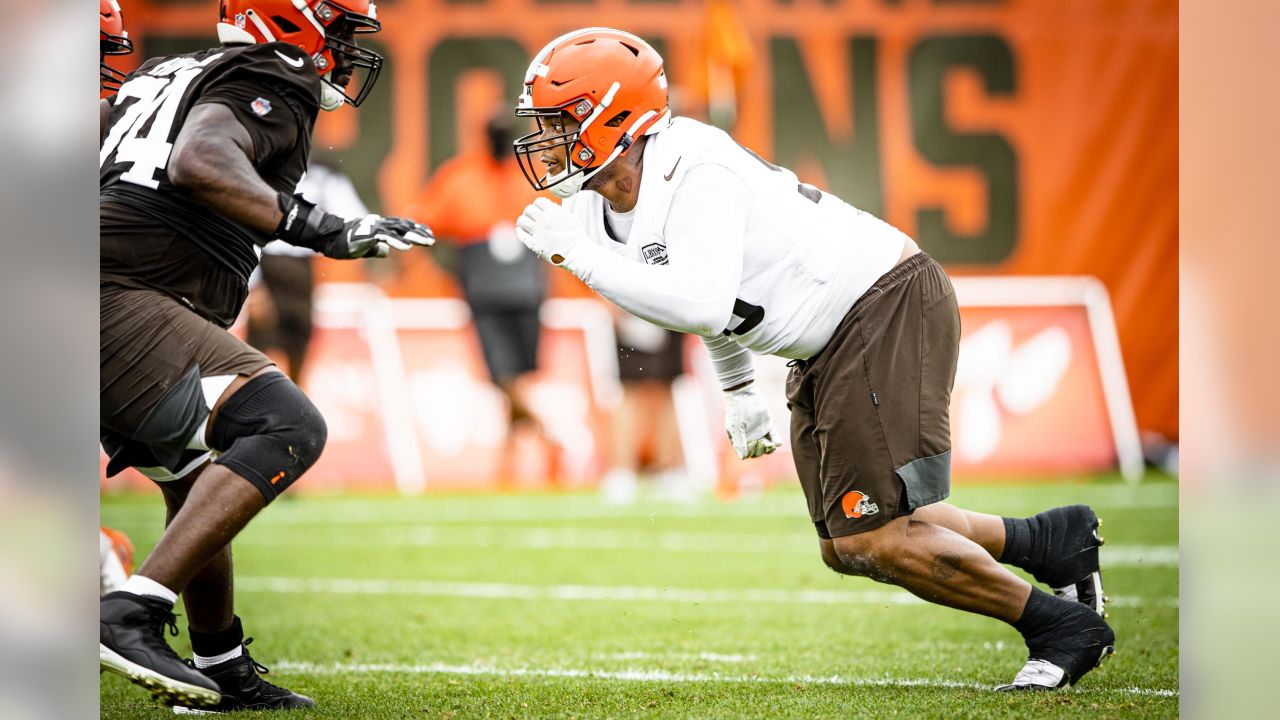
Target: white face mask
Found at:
x=569, y=186
x=330, y=97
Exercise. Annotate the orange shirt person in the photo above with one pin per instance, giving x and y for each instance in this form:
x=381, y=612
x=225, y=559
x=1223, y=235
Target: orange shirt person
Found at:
x=472, y=193
x=475, y=198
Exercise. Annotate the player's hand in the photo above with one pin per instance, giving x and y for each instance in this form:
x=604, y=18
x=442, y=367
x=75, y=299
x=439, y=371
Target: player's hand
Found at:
x=746, y=419
x=550, y=231
x=305, y=225
x=375, y=236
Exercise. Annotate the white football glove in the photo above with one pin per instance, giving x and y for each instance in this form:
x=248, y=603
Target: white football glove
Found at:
x=305, y=225
x=375, y=236
x=746, y=419
x=550, y=231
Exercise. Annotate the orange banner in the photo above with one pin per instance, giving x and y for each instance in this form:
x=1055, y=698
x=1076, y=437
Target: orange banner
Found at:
x=1014, y=136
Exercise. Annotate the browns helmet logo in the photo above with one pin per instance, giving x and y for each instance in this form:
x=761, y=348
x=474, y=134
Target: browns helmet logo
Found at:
x=857, y=504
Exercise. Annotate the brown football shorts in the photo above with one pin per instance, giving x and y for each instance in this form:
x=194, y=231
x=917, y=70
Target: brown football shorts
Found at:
x=870, y=430
x=153, y=352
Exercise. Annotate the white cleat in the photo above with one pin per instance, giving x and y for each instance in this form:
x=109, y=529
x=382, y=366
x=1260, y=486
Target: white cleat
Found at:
x=1038, y=675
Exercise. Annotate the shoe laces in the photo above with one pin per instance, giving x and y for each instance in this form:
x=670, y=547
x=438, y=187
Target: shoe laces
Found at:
x=263, y=684
x=259, y=667
x=163, y=617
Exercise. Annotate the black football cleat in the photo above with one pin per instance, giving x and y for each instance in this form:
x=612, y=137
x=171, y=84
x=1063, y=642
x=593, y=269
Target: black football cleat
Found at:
x=242, y=686
x=131, y=643
x=1058, y=658
x=1070, y=565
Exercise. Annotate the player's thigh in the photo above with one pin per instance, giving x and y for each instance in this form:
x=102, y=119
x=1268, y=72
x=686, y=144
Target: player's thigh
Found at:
x=912, y=356
x=860, y=491
x=162, y=369
x=885, y=402
x=804, y=449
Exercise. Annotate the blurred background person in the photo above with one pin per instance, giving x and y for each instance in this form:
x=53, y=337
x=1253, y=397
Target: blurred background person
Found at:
x=644, y=430
x=474, y=199
x=281, y=290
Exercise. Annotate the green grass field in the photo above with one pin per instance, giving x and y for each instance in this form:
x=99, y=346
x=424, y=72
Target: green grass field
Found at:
x=561, y=606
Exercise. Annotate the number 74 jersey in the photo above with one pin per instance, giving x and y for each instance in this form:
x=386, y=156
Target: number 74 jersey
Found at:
x=272, y=89
x=807, y=255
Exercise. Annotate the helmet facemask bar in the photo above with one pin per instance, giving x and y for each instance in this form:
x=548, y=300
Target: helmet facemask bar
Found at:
x=579, y=155
x=110, y=78
x=347, y=54
x=529, y=149
x=344, y=54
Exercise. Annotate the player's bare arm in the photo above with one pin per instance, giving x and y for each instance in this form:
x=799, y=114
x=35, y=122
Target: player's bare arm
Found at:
x=213, y=161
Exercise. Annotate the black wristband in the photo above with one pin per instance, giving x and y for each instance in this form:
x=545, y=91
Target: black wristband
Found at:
x=303, y=224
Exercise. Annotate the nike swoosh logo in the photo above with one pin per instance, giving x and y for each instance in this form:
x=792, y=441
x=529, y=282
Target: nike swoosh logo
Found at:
x=295, y=62
x=667, y=177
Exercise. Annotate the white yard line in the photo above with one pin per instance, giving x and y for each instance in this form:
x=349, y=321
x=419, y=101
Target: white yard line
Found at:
x=644, y=675
x=503, y=509
x=624, y=593
x=494, y=515
x=552, y=538
x=679, y=657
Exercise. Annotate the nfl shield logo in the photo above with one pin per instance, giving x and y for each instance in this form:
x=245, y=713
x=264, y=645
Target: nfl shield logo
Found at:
x=240, y=20
x=261, y=107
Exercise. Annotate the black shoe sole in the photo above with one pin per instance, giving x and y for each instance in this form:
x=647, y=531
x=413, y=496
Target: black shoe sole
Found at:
x=168, y=690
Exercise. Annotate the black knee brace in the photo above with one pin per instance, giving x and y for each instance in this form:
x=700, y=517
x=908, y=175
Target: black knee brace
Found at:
x=268, y=432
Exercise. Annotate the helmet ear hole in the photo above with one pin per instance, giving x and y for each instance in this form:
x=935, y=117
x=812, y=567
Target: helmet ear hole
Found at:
x=284, y=24
x=617, y=120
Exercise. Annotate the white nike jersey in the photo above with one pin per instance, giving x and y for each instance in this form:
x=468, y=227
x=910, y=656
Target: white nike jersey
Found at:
x=807, y=255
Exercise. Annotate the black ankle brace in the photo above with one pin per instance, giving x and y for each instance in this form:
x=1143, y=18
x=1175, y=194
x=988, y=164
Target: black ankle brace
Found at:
x=217, y=643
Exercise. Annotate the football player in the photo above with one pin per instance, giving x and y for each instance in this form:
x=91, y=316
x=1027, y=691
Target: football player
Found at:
x=113, y=39
x=675, y=222
x=115, y=550
x=198, y=166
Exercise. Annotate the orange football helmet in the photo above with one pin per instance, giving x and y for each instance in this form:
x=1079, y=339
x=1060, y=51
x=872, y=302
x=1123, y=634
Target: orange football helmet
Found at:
x=112, y=40
x=611, y=83
x=324, y=29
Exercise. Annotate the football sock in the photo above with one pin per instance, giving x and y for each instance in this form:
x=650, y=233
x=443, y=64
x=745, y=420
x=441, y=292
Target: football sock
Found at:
x=1055, y=546
x=1043, y=617
x=139, y=585
x=1018, y=544
x=217, y=647
x=1063, y=632
x=203, y=661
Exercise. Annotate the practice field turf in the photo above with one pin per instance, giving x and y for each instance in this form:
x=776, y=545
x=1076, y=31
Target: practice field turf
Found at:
x=562, y=606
